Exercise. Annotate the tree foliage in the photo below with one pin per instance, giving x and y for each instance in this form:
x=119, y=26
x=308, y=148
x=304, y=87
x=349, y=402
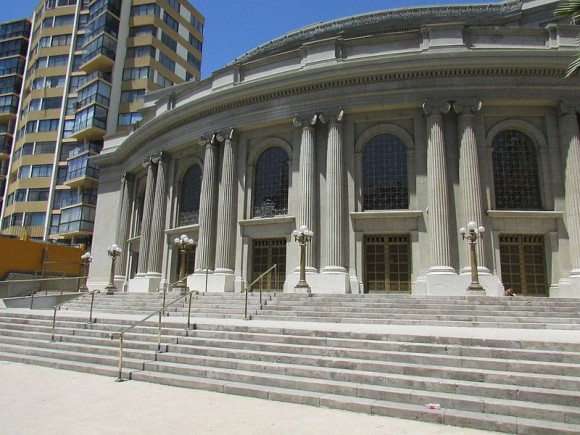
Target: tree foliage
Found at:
x=571, y=9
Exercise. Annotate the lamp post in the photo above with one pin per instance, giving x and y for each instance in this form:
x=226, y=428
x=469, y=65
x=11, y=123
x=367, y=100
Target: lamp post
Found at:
x=113, y=251
x=86, y=260
x=184, y=244
x=472, y=233
x=302, y=235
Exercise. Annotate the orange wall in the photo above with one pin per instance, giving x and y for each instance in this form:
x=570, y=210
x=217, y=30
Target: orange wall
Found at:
x=27, y=256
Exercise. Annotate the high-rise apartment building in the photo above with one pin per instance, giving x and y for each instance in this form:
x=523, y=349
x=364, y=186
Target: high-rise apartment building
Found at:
x=89, y=64
x=14, y=37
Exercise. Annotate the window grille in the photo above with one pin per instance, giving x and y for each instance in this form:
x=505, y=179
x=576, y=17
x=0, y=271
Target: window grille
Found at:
x=271, y=184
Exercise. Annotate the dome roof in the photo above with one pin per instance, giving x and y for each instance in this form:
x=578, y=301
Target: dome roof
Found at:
x=386, y=21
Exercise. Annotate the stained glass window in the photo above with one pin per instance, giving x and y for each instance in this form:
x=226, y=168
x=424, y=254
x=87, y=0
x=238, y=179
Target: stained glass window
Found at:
x=385, y=184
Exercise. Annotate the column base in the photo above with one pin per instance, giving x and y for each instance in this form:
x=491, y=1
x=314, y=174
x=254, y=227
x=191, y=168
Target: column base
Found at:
x=440, y=283
x=144, y=284
x=219, y=281
x=326, y=282
x=567, y=288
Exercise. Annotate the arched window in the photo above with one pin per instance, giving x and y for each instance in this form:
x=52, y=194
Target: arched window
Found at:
x=271, y=183
x=385, y=184
x=515, y=172
x=190, y=194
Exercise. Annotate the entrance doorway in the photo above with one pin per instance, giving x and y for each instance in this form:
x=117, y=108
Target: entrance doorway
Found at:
x=387, y=265
x=523, y=264
x=265, y=254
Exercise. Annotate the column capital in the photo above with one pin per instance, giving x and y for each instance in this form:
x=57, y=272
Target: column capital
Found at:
x=232, y=135
x=568, y=108
x=306, y=121
x=336, y=117
x=467, y=107
x=435, y=107
x=127, y=177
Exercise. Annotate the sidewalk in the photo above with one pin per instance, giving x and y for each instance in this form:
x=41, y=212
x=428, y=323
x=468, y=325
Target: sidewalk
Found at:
x=45, y=401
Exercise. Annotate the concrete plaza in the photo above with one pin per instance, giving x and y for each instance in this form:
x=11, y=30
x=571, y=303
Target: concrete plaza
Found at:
x=39, y=400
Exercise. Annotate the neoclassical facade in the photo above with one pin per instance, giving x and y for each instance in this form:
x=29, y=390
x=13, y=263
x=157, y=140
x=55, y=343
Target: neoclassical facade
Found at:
x=382, y=133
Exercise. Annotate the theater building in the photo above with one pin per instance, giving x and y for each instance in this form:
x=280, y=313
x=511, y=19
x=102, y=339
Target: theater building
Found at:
x=384, y=134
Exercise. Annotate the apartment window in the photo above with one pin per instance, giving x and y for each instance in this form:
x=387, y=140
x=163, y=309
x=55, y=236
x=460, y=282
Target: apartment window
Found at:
x=74, y=84
x=62, y=20
x=20, y=195
x=51, y=103
x=31, y=126
x=195, y=42
x=174, y=4
x=55, y=82
x=148, y=9
x=136, y=73
x=47, y=125
x=44, y=147
x=167, y=62
x=142, y=31
x=34, y=219
x=60, y=40
x=196, y=23
x=129, y=118
x=169, y=41
x=69, y=128
x=44, y=42
x=193, y=61
x=38, y=194
x=170, y=21
x=163, y=81
x=131, y=96
x=41, y=171
x=141, y=51
x=34, y=171
x=60, y=60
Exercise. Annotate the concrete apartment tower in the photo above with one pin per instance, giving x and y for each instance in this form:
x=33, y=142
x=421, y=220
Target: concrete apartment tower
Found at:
x=14, y=36
x=88, y=66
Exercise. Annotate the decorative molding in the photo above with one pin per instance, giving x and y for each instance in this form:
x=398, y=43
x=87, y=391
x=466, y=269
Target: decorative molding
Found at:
x=525, y=214
x=144, y=136
x=378, y=21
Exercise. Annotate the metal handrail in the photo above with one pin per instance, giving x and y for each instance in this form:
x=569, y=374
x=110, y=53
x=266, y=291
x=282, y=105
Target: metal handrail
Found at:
x=250, y=285
x=121, y=334
x=57, y=307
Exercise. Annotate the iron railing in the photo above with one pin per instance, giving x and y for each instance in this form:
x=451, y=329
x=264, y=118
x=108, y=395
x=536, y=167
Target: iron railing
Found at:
x=247, y=288
x=121, y=335
x=57, y=307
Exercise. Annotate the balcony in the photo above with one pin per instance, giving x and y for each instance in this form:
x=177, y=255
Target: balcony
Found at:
x=100, y=55
x=5, y=147
x=97, y=75
x=93, y=148
x=89, y=129
x=8, y=113
x=82, y=176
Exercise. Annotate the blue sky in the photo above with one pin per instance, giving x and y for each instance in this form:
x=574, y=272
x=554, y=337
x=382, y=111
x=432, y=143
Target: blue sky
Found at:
x=234, y=27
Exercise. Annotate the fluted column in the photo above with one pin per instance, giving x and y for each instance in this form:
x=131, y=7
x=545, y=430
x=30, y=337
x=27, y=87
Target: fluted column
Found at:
x=469, y=176
x=127, y=182
x=158, y=216
x=438, y=190
x=204, y=254
x=334, y=184
x=307, y=187
x=146, y=219
x=570, y=137
x=224, y=261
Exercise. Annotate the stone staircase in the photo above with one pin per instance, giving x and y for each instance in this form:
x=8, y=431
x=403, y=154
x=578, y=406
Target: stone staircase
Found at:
x=473, y=311
x=517, y=380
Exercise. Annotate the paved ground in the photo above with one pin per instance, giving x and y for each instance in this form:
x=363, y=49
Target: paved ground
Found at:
x=45, y=401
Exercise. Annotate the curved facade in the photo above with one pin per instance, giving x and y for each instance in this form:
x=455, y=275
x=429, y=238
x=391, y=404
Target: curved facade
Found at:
x=384, y=134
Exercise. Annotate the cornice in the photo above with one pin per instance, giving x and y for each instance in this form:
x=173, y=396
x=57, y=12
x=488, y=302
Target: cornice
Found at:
x=382, y=20
x=167, y=122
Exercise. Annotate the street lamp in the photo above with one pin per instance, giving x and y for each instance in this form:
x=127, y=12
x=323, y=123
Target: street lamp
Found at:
x=472, y=233
x=303, y=235
x=86, y=260
x=184, y=244
x=114, y=251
